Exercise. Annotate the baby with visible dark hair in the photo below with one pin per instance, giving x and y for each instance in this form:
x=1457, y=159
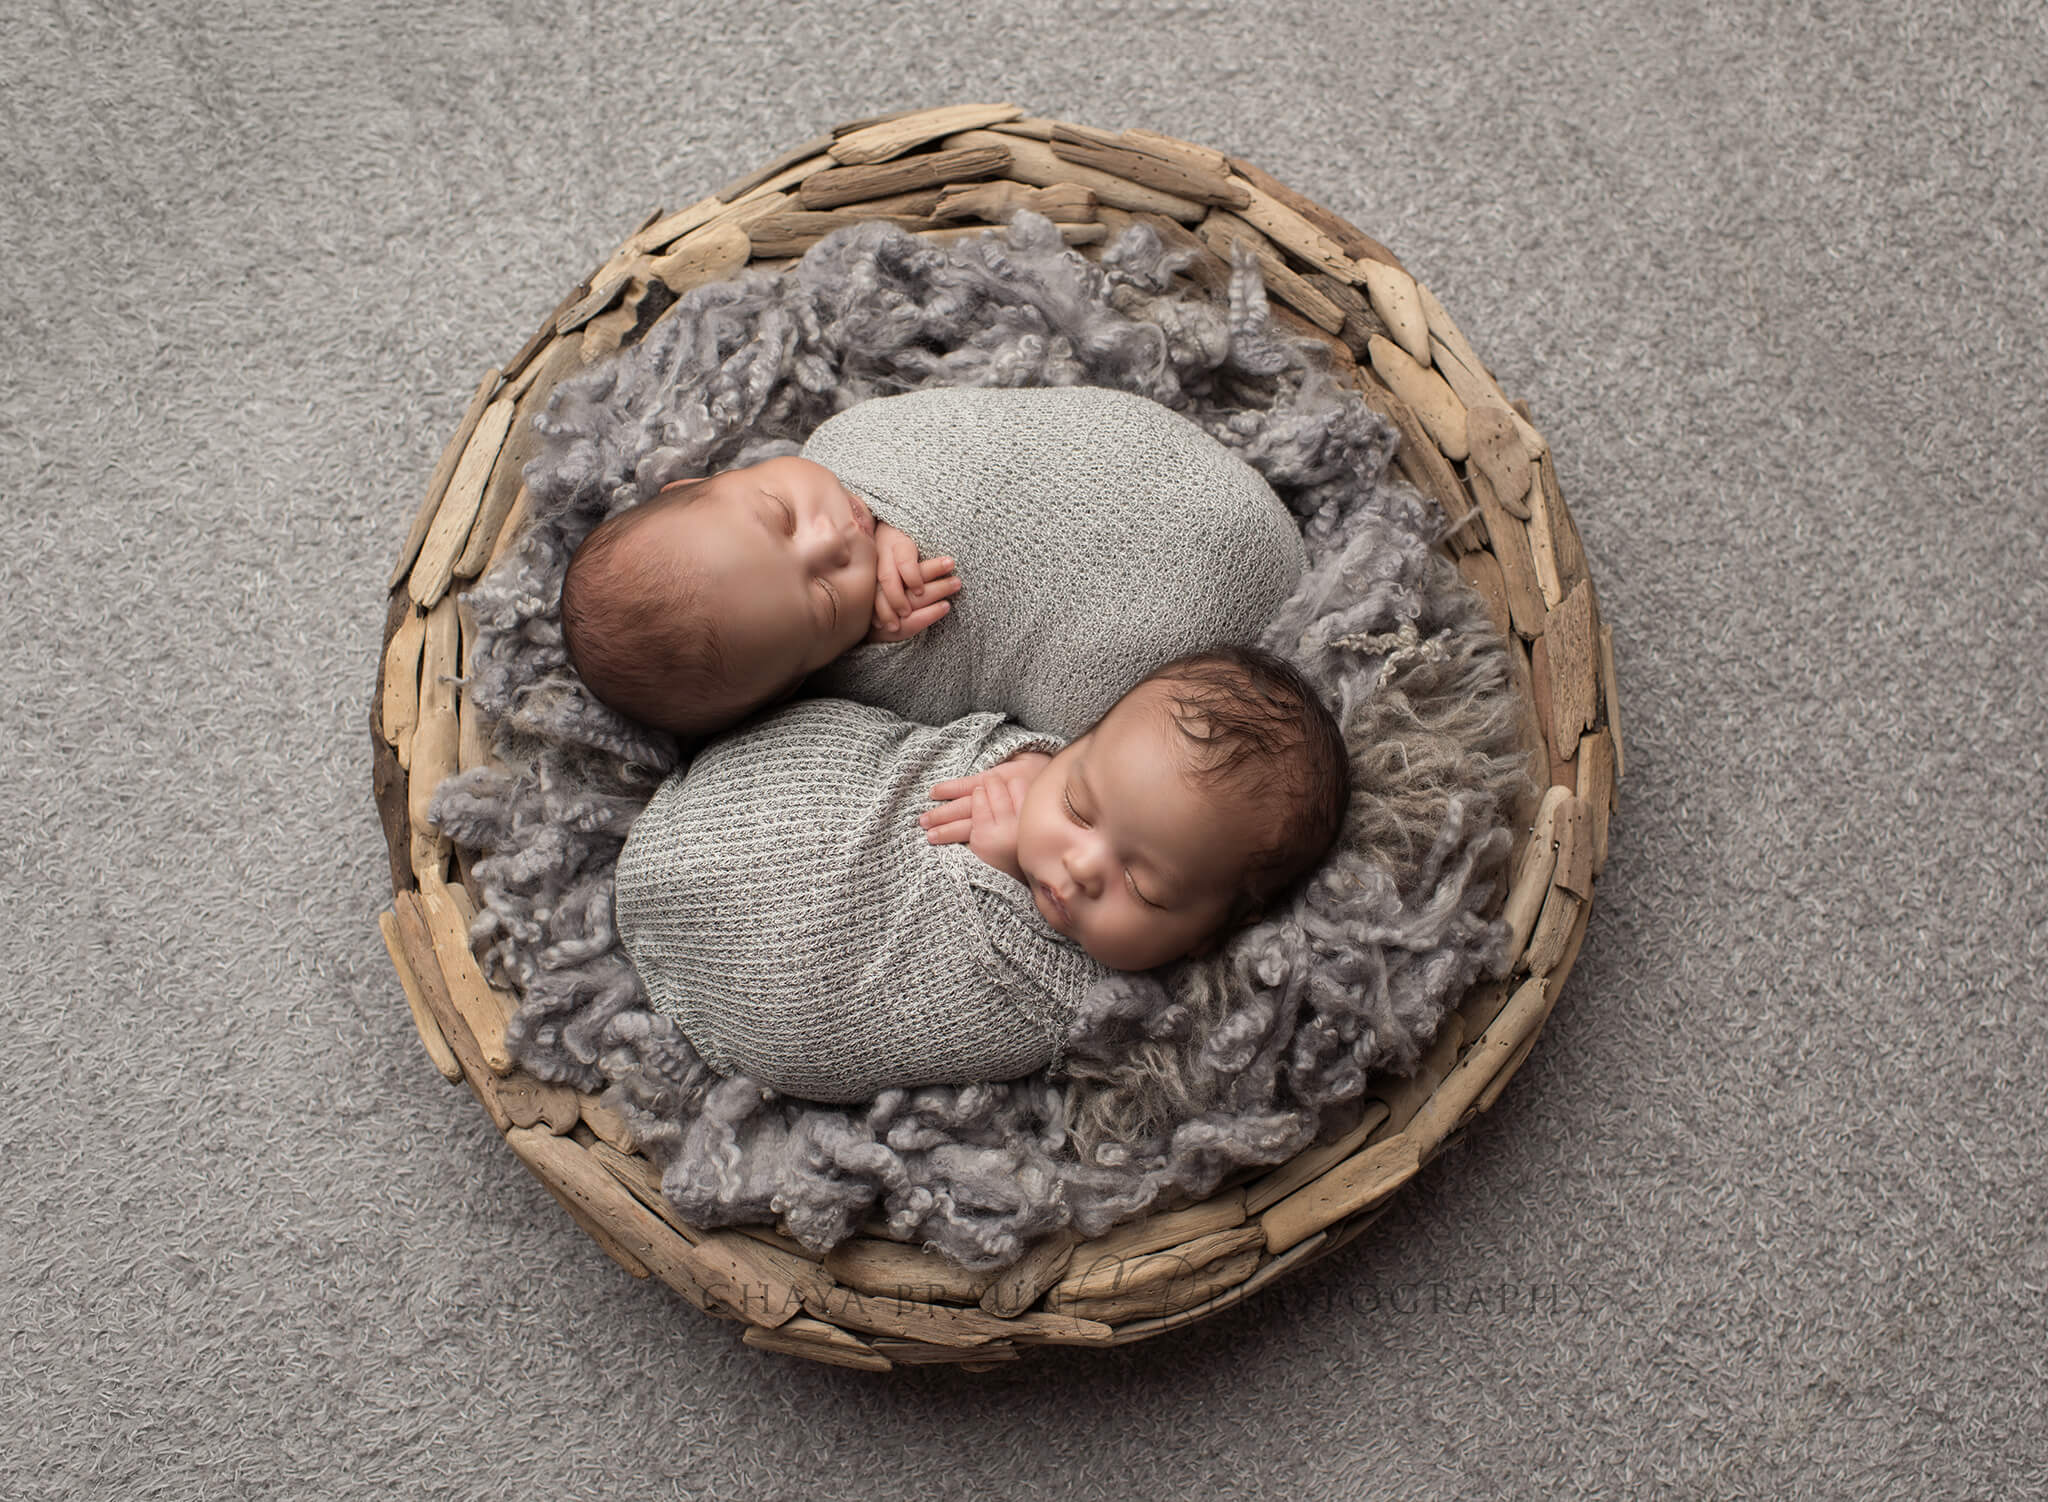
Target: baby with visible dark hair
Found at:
x=795, y=907
x=1098, y=533
x=721, y=594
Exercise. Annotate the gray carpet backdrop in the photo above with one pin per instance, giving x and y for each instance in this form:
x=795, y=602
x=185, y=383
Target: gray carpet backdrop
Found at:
x=1762, y=1215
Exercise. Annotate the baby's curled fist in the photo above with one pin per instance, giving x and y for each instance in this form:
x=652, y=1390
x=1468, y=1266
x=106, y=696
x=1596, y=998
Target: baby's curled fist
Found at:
x=910, y=592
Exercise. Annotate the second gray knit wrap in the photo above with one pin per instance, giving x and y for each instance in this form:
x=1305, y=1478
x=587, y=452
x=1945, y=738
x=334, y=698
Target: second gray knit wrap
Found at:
x=779, y=901
x=1097, y=534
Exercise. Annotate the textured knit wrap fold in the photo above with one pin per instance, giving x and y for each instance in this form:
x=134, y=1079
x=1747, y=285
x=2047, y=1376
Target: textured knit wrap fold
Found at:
x=1097, y=534
x=779, y=901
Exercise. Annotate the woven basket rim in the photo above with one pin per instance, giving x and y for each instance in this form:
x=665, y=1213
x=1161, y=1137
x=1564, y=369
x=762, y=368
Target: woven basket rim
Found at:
x=874, y=1302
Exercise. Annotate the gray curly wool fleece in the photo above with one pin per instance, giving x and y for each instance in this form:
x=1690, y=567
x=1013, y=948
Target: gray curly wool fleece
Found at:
x=1096, y=533
x=780, y=902
x=1175, y=1078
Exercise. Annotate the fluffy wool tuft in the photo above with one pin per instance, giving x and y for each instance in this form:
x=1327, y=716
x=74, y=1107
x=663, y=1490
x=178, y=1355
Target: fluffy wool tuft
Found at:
x=1178, y=1077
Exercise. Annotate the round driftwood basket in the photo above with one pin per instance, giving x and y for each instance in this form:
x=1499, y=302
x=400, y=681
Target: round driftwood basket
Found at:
x=945, y=172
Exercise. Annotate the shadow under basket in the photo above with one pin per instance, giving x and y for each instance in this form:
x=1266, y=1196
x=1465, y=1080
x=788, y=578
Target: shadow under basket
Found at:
x=939, y=173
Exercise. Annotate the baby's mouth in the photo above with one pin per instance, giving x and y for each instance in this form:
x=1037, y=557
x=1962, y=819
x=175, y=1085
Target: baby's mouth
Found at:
x=862, y=517
x=1058, y=915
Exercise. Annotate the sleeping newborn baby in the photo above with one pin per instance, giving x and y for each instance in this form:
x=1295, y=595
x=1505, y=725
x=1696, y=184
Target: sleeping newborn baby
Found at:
x=792, y=902
x=1088, y=535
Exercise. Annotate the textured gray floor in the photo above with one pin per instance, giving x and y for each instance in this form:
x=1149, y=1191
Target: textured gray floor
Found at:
x=1762, y=1215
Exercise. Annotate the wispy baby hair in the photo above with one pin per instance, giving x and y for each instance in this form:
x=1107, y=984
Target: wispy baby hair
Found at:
x=632, y=629
x=1254, y=727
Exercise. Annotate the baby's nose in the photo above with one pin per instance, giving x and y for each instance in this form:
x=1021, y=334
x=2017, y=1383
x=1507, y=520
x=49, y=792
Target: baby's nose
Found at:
x=831, y=546
x=1085, y=865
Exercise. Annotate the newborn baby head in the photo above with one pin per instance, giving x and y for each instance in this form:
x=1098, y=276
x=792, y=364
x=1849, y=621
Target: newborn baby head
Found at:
x=720, y=595
x=1206, y=791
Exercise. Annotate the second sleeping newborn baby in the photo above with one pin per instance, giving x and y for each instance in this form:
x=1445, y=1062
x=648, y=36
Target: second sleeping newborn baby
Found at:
x=1097, y=534
x=794, y=905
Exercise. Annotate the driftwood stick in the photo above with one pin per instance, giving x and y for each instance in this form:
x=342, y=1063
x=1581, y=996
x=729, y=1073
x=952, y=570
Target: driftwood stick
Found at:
x=1596, y=790
x=1574, y=668
x=444, y=470
x=904, y=1272
x=795, y=231
x=609, y=1127
x=1106, y=154
x=666, y=231
x=435, y=565
x=1574, y=869
x=1019, y=1286
x=1157, y=1231
x=1418, y=455
x=1517, y=564
x=1553, y=930
x=1456, y=1097
x=1170, y=148
x=1361, y=323
x=995, y=202
x=1497, y=451
x=418, y=944
x=1222, y=230
x=1294, y=233
x=504, y=490
x=1353, y=241
x=1571, y=552
x=1533, y=870
x=1181, y=1290
x=840, y=185
x=975, y=1358
x=1482, y=571
x=937, y=1324
x=1570, y=956
x=1038, y=1328
x=1427, y=395
x=816, y=1340
x=422, y=1017
x=1346, y=1189
x=1127, y=1276
x=484, y=1009
x=891, y=138
x=1308, y=1166
x=401, y=682
x=1030, y=128
x=433, y=750
x=1395, y=299
x=1274, y=1267
x=1036, y=163
x=1073, y=234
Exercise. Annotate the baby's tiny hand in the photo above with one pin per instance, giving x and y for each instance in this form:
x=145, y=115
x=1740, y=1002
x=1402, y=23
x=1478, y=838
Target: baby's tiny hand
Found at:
x=982, y=810
x=910, y=592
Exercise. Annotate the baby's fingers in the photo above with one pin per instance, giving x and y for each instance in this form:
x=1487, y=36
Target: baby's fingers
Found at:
x=950, y=813
x=890, y=600
x=910, y=582
x=959, y=832
x=954, y=787
x=923, y=616
x=936, y=568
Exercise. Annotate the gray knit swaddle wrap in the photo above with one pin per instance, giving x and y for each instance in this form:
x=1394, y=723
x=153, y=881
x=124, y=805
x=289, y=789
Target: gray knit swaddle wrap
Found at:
x=780, y=902
x=1097, y=534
